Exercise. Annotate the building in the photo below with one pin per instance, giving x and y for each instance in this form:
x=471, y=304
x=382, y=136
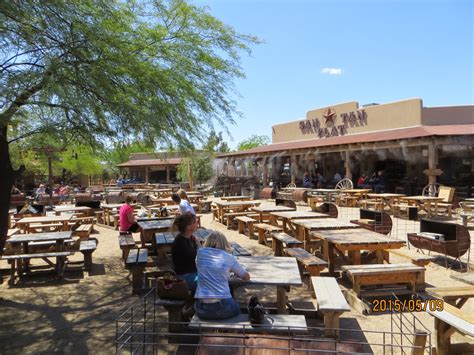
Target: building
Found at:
x=151, y=167
x=413, y=145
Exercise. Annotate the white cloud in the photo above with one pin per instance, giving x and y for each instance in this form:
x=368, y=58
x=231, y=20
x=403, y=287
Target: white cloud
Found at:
x=332, y=71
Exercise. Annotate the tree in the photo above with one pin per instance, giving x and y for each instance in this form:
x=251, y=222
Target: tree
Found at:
x=120, y=153
x=253, y=141
x=200, y=164
x=215, y=143
x=113, y=70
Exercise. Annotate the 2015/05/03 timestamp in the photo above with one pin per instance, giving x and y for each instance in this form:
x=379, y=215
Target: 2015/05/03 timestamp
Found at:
x=407, y=305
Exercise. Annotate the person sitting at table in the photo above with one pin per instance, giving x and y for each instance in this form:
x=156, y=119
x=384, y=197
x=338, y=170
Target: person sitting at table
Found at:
x=184, y=250
x=128, y=221
x=380, y=185
x=307, y=180
x=184, y=205
x=214, y=265
x=64, y=193
x=361, y=181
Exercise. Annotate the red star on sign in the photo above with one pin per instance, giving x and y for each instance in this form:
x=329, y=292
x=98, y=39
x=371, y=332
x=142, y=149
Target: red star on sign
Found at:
x=330, y=116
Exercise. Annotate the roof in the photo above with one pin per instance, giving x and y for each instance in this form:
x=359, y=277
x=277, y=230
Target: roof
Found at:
x=150, y=162
x=379, y=136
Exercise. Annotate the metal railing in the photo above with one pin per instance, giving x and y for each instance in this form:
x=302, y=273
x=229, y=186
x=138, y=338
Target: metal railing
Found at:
x=144, y=329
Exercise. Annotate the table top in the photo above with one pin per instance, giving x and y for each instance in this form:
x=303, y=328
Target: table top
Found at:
x=236, y=203
x=452, y=291
x=45, y=219
x=355, y=191
x=111, y=205
x=324, y=190
x=326, y=223
x=356, y=236
x=272, y=209
x=234, y=198
x=67, y=208
x=291, y=215
x=156, y=223
x=39, y=237
x=422, y=198
x=269, y=270
x=385, y=195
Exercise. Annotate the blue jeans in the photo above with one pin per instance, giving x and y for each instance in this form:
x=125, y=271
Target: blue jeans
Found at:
x=223, y=309
x=191, y=280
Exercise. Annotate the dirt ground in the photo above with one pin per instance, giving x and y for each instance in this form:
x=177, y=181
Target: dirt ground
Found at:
x=77, y=315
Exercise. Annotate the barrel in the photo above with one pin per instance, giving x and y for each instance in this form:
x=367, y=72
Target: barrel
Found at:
x=299, y=195
x=83, y=196
x=267, y=193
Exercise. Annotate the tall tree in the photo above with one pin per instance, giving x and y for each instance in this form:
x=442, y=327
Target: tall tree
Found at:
x=158, y=70
x=253, y=141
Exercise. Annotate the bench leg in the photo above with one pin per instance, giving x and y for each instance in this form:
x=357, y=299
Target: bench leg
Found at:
x=281, y=300
x=250, y=228
x=241, y=227
x=87, y=259
x=11, y=281
x=331, y=324
x=277, y=247
x=261, y=236
x=175, y=319
x=137, y=278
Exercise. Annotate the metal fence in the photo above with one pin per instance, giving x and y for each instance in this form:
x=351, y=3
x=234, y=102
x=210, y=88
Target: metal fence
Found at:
x=143, y=329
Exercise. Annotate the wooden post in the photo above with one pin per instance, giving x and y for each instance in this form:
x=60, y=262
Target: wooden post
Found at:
x=293, y=169
x=432, y=161
x=348, y=165
x=167, y=174
x=419, y=341
x=146, y=174
x=265, y=171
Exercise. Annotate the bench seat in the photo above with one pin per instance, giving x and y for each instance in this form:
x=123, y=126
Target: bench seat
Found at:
x=280, y=239
x=239, y=250
x=331, y=302
x=416, y=258
x=83, y=231
x=307, y=261
x=87, y=247
x=136, y=261
x=274, y=323
x=245, y=221
x=126, y=242
x=263, y=229
x=229, y=217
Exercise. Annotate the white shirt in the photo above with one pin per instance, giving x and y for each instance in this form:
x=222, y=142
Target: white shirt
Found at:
x=185, y=207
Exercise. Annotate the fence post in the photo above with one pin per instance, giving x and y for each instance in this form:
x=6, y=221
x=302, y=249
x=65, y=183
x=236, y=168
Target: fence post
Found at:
x=419, y=342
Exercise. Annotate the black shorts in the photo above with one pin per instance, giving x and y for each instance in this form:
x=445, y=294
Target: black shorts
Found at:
x=133, y=228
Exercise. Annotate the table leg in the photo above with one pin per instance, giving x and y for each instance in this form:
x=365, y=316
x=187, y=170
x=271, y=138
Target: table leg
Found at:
x=354, y=255
x=281, y=300
x=329, y=256
x=379, y=255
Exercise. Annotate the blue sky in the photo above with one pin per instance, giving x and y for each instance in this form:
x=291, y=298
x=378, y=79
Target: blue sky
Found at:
x=376, y=51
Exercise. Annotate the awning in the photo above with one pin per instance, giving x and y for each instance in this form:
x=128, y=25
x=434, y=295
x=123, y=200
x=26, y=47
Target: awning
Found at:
x=150, y=162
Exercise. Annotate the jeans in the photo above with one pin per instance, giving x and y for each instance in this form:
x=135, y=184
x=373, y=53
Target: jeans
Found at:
x=223, y=309
x=191, y=280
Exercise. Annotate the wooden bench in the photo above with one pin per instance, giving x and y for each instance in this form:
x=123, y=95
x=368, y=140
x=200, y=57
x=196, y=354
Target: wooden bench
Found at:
x=16, y=262
x=331, y=302
x=229, y=217
x=384, y=274
x=416, y=258
x=99, y=216
x=12, y=232
x=136, y=262
x=87, y=247
x=175, y=313
x=83, y=231
x=245, y=221
x=46, y=227
x=126, y=243
x=116, y=218
x=274, y=323
x=377, y=205
x=204, y=206
x=307, y=261
x=466, y=217
x=239, y=250
x=448, y=321
x=374, y=221
x=282, y=238
x=411, y=211
x=263, y=229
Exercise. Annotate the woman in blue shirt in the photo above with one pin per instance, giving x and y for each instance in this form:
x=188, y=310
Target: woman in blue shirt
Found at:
x=214, y=265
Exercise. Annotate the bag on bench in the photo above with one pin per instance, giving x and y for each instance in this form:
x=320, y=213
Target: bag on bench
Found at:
x=170, y=287
x=256, y=311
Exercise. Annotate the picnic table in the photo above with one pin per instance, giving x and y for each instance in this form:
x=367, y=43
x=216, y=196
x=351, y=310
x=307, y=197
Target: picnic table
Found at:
x=288, y=216
x=173, y=209
x=55, y=223
x=236, y=198
x=454, y=295
x=303, y=227
x=166, y=201
x=386, y=199
x=281, y=272
x=354, y=241
x=423, y=203
x=108, y=209
x=327, y=194
x=152, y=226
x=224, y=206
x=23, y=255
x=72, y=208
x=265, y=210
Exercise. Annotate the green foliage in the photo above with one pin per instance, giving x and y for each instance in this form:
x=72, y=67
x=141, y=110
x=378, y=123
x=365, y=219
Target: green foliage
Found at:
x=215, y=143
x=157, y=71
x=253, y=141
x=81, y=160
x=201, y=167
x=120, y=153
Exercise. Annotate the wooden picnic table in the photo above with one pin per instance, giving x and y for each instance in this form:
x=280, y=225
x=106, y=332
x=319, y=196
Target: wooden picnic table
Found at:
x=224, y=206
x=265, y=210
x=152, y=226
x=281, y=272
x=173, y=209
x=72, y=208
x=25, y=224
x=454, y=295
x=354, y=241
x=423, y=203
x=288, y=216
x=108, y=209
x=167, y=201
x=386, y=199
x=303, y=227
x=235, y=198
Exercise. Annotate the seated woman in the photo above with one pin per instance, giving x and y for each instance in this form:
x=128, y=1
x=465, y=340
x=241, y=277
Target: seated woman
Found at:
x=214, y=265
x=184, y=250
x=128, y=222
x=181, y=199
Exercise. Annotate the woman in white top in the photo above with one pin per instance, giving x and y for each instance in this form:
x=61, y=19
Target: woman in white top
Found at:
x=214, y=265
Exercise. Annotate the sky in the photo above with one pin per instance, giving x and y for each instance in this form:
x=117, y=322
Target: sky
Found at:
x=317, y=53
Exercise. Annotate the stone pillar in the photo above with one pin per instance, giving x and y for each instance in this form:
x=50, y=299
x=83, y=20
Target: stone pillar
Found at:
x=348, y=165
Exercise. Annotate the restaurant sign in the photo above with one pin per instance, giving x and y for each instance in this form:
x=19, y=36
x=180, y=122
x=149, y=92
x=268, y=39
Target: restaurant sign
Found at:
x=332, y=125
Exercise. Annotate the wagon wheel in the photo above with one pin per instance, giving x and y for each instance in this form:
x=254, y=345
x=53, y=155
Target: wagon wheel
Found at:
x=431, y=190
x=291, y=185
x=344, y=184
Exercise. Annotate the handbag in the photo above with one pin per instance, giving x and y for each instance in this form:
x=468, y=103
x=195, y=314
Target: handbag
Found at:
x=169, y=286
x=256, y=311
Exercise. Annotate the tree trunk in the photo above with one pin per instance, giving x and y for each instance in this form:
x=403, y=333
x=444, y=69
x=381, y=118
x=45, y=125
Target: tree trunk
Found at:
x=7, y=178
